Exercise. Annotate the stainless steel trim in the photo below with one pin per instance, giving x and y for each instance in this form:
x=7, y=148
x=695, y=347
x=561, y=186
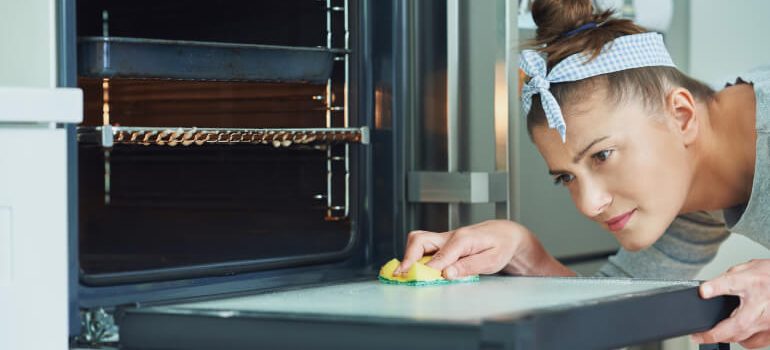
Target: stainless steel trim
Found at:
x=456, y=187
x=453, y=106
x=514, y=119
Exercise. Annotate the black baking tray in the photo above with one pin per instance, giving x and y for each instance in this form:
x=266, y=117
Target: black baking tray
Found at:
x=121, y=57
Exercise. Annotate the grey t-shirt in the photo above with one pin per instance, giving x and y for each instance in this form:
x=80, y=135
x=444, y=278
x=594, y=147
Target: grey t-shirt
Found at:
x=693, y=239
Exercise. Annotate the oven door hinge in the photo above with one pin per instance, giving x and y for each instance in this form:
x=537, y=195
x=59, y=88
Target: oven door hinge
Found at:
x=98, y=328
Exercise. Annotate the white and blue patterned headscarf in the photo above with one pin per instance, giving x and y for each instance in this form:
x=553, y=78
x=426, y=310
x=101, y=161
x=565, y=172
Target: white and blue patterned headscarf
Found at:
x=625, y=52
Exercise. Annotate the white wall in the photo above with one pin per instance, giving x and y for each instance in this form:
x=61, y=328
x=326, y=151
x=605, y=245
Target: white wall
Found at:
x=728, y=37
x=28, y=43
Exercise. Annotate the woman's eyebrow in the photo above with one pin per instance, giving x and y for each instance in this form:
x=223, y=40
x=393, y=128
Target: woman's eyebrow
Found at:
x=582, y=153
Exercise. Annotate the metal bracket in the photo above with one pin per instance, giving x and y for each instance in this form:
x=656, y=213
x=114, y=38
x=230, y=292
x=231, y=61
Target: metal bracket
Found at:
x=457, y=187
x=107, y=136
x=364, y=135
x=98, y=327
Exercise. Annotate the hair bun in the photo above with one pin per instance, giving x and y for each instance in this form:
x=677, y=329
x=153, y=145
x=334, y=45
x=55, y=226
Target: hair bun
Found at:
x=555, y=17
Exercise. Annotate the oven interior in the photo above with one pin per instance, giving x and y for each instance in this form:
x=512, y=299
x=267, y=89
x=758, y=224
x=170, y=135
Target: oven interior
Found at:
x=217, y=137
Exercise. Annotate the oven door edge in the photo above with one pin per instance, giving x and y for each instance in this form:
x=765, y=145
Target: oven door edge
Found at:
x=99, y=306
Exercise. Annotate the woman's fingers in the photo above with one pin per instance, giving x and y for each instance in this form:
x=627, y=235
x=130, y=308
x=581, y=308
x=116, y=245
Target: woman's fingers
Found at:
x=495, y=241
x=725, y=284
x=713, y=335
x=758, y=340
x=751, y=319
x=481, y=263
x=458, y=245
x=739, y=268
x=734, y=329
x=418, y=244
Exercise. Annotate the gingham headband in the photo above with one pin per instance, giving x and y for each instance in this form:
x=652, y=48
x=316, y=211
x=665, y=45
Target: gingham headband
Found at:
x=625, y=52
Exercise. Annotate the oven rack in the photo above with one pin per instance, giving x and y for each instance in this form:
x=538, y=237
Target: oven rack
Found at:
x=108, y=136
x=121, y=57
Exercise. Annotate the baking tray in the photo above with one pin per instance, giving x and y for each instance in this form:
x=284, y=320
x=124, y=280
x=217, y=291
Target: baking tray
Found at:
x=499, y=312
x=120, y=57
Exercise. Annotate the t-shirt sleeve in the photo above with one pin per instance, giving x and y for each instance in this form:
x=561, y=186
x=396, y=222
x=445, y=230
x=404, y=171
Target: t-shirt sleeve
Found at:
x=689, y=243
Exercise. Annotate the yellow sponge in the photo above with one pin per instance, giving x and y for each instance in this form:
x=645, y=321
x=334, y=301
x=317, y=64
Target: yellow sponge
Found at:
x=418, y=275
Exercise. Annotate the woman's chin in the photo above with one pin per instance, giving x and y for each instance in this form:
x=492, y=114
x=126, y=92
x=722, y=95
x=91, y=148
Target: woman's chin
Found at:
x=634, y=240
x=634, y=246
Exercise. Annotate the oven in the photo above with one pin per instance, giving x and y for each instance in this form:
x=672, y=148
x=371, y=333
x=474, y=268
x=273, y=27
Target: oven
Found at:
x=240, y=147
x=242, y=170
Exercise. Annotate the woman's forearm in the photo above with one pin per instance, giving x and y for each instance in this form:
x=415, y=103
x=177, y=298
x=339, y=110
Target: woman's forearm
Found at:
x=533, y=259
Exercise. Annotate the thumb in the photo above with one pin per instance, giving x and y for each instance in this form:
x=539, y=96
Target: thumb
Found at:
x=471, y=265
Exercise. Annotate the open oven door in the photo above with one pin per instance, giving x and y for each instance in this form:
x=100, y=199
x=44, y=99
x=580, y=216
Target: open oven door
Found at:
x=498, y=312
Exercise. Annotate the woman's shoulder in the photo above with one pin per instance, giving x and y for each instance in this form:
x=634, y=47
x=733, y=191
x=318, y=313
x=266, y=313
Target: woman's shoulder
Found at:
x=759, y=78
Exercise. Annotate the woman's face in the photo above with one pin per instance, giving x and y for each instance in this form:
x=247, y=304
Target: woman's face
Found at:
x=625, y=168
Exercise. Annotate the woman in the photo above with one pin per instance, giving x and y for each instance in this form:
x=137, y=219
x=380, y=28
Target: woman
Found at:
x=653, y=156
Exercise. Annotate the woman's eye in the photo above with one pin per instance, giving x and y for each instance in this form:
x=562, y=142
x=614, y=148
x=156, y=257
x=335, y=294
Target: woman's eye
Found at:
x=563, y=179
x=602, y=155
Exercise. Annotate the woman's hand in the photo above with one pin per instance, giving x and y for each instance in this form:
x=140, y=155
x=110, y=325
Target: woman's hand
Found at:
x=484, y=248
x=749, y=324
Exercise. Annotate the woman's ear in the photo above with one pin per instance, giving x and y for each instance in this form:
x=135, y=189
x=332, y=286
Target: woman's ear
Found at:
x=681, y=105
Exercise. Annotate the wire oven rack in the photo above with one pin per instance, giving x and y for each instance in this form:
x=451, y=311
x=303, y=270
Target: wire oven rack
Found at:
x=108, y=136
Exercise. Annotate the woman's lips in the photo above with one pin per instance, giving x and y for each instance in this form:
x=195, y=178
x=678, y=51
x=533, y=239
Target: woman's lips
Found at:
x=619, y=222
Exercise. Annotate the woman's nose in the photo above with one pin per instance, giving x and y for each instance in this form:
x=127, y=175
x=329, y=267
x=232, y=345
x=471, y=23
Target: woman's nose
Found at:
x=592, y=199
